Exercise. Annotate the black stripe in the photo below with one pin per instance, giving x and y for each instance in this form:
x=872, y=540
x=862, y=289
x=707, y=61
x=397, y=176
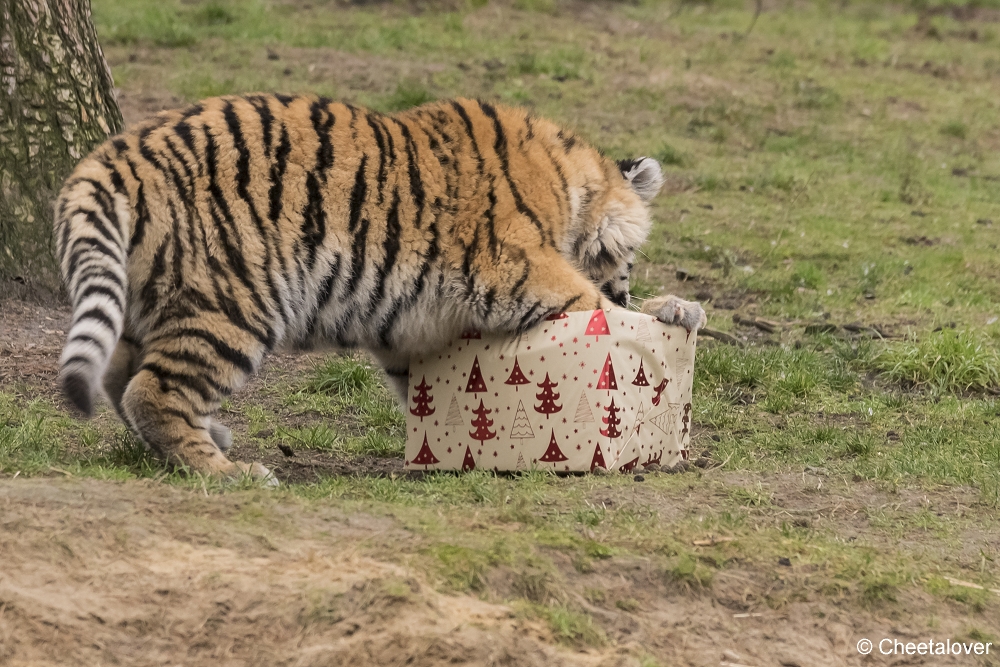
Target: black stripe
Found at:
x=87, y=338
x=198, y=383
x=403, y=304
x=472, y=137
x=148, y=296
x=470, y=253
x=105, y=200
x=141, y=211
x=95, y=314
x=491, y=229
x=78, y=359
x=178, y=249
x=380, y=140
x=358, y=193
x=259, y=103
x=93, y=288
x=500, y=146
x=360, y=248
x=313, y=219
x=95, y=221
x=416, y=184
x=324, y=294
x=188, y=357
x=223, y=349
x=277, y=174
x=529, y=318
x=184, y=131
x=182, y=415
x=324, y=154
x=390, y=248
x=89, y=243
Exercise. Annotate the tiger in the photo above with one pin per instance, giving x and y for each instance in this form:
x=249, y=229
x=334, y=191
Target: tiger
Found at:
x=200, y=240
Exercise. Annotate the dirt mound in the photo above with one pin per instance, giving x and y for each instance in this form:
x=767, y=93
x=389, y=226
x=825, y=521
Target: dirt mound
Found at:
x=105, y=573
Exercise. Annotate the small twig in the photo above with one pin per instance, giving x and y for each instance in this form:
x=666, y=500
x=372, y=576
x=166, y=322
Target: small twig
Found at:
x=712, y=541
x=61, y=471
x=756, y=15
x=969, y=584
x=718, y=466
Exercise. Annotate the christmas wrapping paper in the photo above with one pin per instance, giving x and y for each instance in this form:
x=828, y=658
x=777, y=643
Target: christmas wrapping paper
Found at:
x=585, y=389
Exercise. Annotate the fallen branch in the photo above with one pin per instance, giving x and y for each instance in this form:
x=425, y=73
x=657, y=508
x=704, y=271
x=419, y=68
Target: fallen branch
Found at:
x=721, y=336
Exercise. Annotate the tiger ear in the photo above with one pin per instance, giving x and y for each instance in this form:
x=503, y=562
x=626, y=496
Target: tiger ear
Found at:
x=644, y=175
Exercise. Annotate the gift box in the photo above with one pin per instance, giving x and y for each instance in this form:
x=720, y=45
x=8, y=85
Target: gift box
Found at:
x=608, y=388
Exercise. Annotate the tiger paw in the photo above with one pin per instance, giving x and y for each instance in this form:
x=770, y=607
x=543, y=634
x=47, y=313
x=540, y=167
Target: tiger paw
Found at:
x=257, y=472
x=221, y=436
x=673, y=310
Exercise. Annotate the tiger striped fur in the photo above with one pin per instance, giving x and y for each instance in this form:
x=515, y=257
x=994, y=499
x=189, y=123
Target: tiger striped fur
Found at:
x=206, y=237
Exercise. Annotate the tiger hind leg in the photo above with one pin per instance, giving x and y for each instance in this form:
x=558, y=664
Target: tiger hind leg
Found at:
x=171, y=400
x=123, y=367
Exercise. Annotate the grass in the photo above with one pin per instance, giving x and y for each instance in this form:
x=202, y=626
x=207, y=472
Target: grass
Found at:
x=837, y=165
x=943, y=362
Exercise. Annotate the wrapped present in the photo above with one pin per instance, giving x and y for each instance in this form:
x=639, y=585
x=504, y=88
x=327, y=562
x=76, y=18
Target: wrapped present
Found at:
x=581, y=390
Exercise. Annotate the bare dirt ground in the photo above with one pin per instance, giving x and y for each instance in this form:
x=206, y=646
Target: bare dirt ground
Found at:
x=144, y=574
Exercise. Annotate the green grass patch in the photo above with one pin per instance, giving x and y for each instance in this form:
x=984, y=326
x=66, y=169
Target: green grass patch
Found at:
x=944, y=361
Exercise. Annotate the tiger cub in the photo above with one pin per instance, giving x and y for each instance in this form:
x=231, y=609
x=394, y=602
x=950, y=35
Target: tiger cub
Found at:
x=198, y=241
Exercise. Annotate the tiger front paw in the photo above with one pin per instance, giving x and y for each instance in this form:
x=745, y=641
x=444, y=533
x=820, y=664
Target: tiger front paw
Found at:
x=674, y=310
x=256, y=472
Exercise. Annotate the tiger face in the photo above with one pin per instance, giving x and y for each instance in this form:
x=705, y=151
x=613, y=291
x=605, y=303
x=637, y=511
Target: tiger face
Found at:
x=619, y=225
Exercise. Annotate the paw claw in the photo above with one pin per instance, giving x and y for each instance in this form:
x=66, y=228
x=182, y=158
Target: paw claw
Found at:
x=673, y=310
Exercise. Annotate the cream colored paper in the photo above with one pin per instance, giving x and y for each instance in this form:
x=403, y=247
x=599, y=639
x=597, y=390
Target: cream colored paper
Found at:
x=610, y=388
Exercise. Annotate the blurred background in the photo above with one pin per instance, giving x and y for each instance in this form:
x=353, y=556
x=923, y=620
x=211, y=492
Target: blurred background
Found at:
x=823, y=157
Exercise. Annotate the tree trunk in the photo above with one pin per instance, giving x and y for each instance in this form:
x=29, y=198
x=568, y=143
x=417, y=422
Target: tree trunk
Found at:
x=57, y=102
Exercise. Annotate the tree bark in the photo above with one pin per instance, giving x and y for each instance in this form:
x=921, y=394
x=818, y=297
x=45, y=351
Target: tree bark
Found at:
x=57, y=103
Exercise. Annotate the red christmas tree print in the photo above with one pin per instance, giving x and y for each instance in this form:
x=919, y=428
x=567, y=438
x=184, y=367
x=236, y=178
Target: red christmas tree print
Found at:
x=686, y=419
x=598, y=325
x=556, y=316
x=476, y=383
x=553, y=454
x=640, y=377
x=472, y=334
x=547, y=397
x=423, y=400
x=598, y=459
x=516, y=376
x=608, y=380
x=651, y=460
x=468, y=463
x=612, y=420
x=659, y=390
x=630, y=466
x=425, y=457
x=482, y=424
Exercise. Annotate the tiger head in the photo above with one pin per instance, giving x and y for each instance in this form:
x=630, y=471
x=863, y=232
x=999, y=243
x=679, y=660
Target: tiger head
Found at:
x=615, y=223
